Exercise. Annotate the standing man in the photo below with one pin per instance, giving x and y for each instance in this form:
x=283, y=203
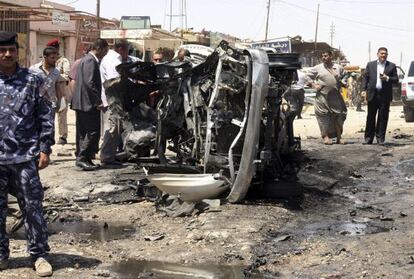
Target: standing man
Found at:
x=153, y=97
x=183, y=55
x=157, y=56
x=330, y=108
x=26, y=137
x=87, y=103
x=354, y=90
x=63, y=66
x=112, y=125
x=377, y=87
x=49, y=74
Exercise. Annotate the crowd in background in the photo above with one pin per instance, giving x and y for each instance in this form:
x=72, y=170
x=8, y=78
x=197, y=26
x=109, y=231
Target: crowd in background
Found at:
x=80, y=87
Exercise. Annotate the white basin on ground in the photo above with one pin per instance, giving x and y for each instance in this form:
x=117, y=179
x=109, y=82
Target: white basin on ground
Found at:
x=189, y=187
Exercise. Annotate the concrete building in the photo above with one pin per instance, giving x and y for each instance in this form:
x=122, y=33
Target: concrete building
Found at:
x=38, y=21
x=310, y=53
x=145, y=41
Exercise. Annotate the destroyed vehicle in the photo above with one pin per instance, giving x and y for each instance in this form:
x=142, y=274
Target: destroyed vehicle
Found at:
x=225, y=116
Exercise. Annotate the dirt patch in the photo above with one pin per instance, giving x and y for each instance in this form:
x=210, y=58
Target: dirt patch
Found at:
x=352, y=221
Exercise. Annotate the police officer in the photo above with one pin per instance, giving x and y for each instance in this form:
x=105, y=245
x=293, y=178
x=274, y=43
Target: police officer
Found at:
x=26, y=137
x=63, y=66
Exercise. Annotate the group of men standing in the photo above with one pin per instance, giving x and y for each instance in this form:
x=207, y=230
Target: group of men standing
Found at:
x=330, y=109
x=86, y=97
x=91, y=106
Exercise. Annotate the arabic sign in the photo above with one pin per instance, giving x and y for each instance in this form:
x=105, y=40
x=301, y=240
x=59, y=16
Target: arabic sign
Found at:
x=280, y=45
x=89, y=24
x=126, y=34
x=60, y=19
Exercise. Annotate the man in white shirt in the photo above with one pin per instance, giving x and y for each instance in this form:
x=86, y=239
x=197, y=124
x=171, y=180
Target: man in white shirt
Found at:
x=377, y=86
x=112, y=125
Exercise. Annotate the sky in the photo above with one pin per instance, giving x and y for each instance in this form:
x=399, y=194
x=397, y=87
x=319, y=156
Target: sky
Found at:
x=356, y=22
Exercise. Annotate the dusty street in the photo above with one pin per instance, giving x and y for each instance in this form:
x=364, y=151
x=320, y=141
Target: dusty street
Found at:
x=355, y=219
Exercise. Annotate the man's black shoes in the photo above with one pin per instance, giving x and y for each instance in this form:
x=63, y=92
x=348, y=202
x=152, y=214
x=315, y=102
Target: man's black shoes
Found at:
x=367, y=141
x=381, y=142
x=85, y=165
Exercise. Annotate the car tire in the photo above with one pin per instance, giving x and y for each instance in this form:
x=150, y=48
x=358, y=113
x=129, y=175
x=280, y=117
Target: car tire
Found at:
x=408, y=114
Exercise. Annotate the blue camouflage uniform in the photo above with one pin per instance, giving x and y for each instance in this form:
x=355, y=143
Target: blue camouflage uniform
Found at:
x=26, y=129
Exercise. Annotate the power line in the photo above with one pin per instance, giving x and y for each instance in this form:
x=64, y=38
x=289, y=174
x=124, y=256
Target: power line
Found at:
x=72, y=2
x=349, y=20
x=255, y=19
x=262, y=24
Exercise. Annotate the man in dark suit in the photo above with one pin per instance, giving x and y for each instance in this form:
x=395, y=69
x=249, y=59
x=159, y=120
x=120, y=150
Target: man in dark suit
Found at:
x=377, y=86
x=87, y=103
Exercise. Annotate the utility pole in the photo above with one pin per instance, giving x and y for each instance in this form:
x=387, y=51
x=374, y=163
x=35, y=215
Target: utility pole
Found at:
x=316, y=30
x=401, y=58
x=171, y=14
x=267, y=20
x=185, y=13
x=182, y=17
x=332, y=31
x=369, y=51
x=98, y=13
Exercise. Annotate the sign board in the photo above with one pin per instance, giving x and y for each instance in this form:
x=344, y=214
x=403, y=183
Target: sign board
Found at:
x=60, y=19
x=281, y=45
x=89, y=24
x=126, y=34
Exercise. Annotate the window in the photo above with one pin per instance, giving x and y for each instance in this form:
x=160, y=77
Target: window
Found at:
x=135, y=22
x=411, y=70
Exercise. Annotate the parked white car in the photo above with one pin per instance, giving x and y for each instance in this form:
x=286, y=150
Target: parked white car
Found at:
x=407, y=94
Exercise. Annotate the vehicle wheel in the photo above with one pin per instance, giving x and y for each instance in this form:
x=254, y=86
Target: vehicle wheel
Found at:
x=408, y=114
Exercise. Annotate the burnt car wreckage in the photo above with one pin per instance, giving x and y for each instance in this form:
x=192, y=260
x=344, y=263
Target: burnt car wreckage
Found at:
x=226, y=115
